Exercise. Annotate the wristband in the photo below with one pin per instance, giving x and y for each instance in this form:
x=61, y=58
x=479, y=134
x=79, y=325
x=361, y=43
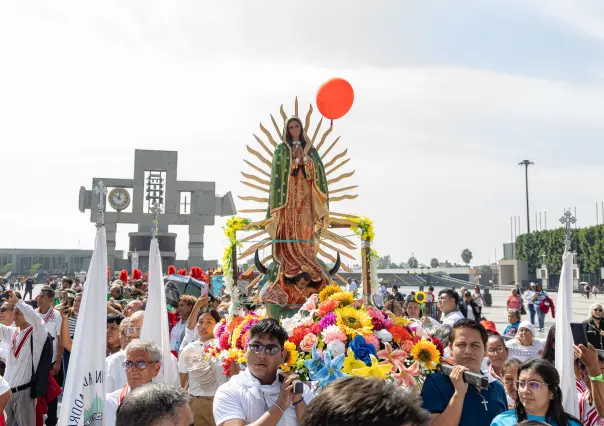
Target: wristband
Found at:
x=598, y=378
x=302, y=399
x=279, y=407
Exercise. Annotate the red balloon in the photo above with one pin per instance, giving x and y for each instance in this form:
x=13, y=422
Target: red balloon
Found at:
x=335, y=98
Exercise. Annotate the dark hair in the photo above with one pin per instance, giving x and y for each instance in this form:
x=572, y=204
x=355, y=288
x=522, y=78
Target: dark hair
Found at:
x=394, y=288
x=474, y=325
x=555, y=412
x=411, y=299
x=531, y=423
x=451, y=293
x=270, y=328
x=467, y=293
x=67, y=279
x=549, y=350
x=151, y=404
x=509, y=363
x=114, y=318
x=212, y=312
x=362, y=402
x=501, y=339
x=431, y=288
x=443, y=333
x=288, y=137
x=49, y=292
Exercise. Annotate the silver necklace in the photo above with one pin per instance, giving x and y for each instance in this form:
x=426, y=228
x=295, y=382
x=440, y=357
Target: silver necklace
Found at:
x=484, y=400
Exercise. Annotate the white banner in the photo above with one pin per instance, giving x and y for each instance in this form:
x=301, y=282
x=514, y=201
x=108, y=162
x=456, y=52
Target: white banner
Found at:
x=155, y=325
x=84, y=392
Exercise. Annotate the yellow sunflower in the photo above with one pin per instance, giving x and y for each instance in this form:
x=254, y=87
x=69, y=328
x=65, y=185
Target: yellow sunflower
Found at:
x=292, y=356
x=328, y=291
x=420, y=297
x=345, y=298
x=354, y=322
x=426, y=353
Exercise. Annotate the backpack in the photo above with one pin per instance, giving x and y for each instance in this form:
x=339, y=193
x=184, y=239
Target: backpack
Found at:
x=39, y=376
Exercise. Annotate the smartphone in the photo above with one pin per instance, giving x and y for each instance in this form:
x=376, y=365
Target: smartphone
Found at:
x=579, y=334
x=298, y=386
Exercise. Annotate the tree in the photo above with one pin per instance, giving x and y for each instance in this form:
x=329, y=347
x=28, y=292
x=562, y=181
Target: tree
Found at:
x=34, y=268
x=434, y=263
x=384, y=262
x=466, y=256
x=6, y=268
x=412, y=262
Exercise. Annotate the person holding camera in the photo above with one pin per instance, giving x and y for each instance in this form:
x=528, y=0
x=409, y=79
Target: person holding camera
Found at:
x=259, y=395
x=450, y=400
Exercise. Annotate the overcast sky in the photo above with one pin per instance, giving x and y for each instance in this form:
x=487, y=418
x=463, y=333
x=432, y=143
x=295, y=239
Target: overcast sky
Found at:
x=450, y=96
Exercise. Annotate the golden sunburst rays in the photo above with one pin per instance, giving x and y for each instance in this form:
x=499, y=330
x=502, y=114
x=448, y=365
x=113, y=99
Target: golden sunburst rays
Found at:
x=257, y=174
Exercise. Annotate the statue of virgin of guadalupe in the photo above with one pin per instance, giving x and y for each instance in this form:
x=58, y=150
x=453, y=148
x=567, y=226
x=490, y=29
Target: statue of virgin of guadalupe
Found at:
x=298, y=211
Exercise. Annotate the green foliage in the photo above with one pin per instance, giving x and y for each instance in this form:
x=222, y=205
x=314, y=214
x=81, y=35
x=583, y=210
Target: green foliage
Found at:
x=6, y=268
x=434, y=263
x=588, y=243
x=412, y=262
x=466, y=256
x=384, y=262
x=34, y=268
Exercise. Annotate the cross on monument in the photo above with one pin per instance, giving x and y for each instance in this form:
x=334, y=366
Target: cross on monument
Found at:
x=101, y=191
x=156, y=211
x=567, y=220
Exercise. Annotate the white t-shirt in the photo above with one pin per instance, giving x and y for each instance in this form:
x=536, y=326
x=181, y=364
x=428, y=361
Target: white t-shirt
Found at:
x=205, y=375
x=53, y=320
x=524, y=353
x=111, y=404
x=116, y=374
x=477, y=298
x=244, y=398
x=352, y=287
x=528, y=296
x=4, y=386
x=452, y=317
x=175, y=335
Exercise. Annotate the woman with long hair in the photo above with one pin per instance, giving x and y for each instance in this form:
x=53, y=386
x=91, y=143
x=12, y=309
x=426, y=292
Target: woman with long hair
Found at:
x=539, y=397
x=202, y=375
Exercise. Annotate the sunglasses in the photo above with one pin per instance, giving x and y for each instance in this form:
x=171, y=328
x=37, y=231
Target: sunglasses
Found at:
x=138, y=364
x=533, y=385
x=267, y=349
x=595, y=310
x=4, y=310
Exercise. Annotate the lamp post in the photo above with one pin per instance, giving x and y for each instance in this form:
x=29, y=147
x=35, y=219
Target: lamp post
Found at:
x=526, y=164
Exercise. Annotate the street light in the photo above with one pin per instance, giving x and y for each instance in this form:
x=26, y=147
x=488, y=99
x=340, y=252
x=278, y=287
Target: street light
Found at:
x=526, y=164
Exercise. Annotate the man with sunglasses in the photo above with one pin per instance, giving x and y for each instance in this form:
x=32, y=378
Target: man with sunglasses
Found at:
x=130, y=329
x=142, y=364
x=594, y=327
x=258, y=396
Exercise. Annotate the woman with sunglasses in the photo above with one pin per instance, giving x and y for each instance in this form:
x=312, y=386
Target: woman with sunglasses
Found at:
x=594, y=327
x=539, y=397
x=203, y=376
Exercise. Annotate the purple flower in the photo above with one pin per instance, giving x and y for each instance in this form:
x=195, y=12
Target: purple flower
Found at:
x=327, y=320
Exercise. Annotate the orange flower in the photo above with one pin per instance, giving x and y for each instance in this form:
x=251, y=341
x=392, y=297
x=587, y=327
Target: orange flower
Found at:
x=328, y=306
x=399, y=334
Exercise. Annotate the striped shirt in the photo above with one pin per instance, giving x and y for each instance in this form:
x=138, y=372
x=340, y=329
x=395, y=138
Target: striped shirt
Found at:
x=72, y=321
x=587, y=412
x=542, y=296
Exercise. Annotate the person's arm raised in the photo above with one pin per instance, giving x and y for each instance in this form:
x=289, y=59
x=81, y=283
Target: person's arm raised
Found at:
x=65, y=337
x=202, y=302
x=589, y=357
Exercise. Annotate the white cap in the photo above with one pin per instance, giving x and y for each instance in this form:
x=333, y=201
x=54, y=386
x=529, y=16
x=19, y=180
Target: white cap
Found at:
x=528, y=326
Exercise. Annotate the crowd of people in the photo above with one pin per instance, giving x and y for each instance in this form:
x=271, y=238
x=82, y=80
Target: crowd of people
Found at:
x=524, y=385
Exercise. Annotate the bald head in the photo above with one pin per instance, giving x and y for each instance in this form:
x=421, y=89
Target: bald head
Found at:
x=132, y=307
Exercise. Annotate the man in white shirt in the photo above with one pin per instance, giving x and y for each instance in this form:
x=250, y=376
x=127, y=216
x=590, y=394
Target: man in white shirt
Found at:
x=352, y=286
x=257, y=393
x=528, y=296
x=130, y=329
x=142, y=364
x=21, y=408
x=52, y=319
x=380, y=294
x=448, y=303
x=177, y=334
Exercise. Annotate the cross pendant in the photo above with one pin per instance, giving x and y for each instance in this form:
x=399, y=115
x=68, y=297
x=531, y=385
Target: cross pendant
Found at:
x=485, y=402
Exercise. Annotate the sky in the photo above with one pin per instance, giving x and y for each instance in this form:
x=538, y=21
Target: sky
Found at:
x=449, y=97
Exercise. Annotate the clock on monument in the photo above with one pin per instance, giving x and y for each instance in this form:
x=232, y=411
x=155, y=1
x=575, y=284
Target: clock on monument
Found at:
x=119, y=198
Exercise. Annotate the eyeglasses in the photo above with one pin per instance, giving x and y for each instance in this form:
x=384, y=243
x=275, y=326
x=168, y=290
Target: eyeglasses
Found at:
x=138, y=364
x=267, y=349
x=5, y=309
x=129, y=331
x=495, y=351
x=533, y=385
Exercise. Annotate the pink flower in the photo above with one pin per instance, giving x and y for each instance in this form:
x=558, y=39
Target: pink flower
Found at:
x=408, y=345
x=407, y=376
x=373, y=340
x=311, y=303
x=308, y=342
x=333, y=332
x=387, y=324
x=375, y=313
x=394, y=357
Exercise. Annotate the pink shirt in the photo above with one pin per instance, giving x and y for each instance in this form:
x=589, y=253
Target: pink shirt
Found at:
x=514, y=302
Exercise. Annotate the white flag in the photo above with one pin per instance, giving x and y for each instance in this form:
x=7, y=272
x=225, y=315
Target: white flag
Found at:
x=564, y=342
x=84, y=397
x=155, y=324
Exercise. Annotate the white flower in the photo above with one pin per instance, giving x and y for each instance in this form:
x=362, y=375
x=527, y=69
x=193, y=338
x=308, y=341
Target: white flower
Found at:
x=336, y=347
x=290, y=323
x=384, y=335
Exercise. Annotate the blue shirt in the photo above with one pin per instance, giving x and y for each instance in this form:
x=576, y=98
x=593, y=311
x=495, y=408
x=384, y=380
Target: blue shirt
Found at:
x=438, y=391
x=509, y=418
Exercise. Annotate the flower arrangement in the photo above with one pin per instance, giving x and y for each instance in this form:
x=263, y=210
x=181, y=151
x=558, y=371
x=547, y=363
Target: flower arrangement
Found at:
x=363, y=228
x=333, y=336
